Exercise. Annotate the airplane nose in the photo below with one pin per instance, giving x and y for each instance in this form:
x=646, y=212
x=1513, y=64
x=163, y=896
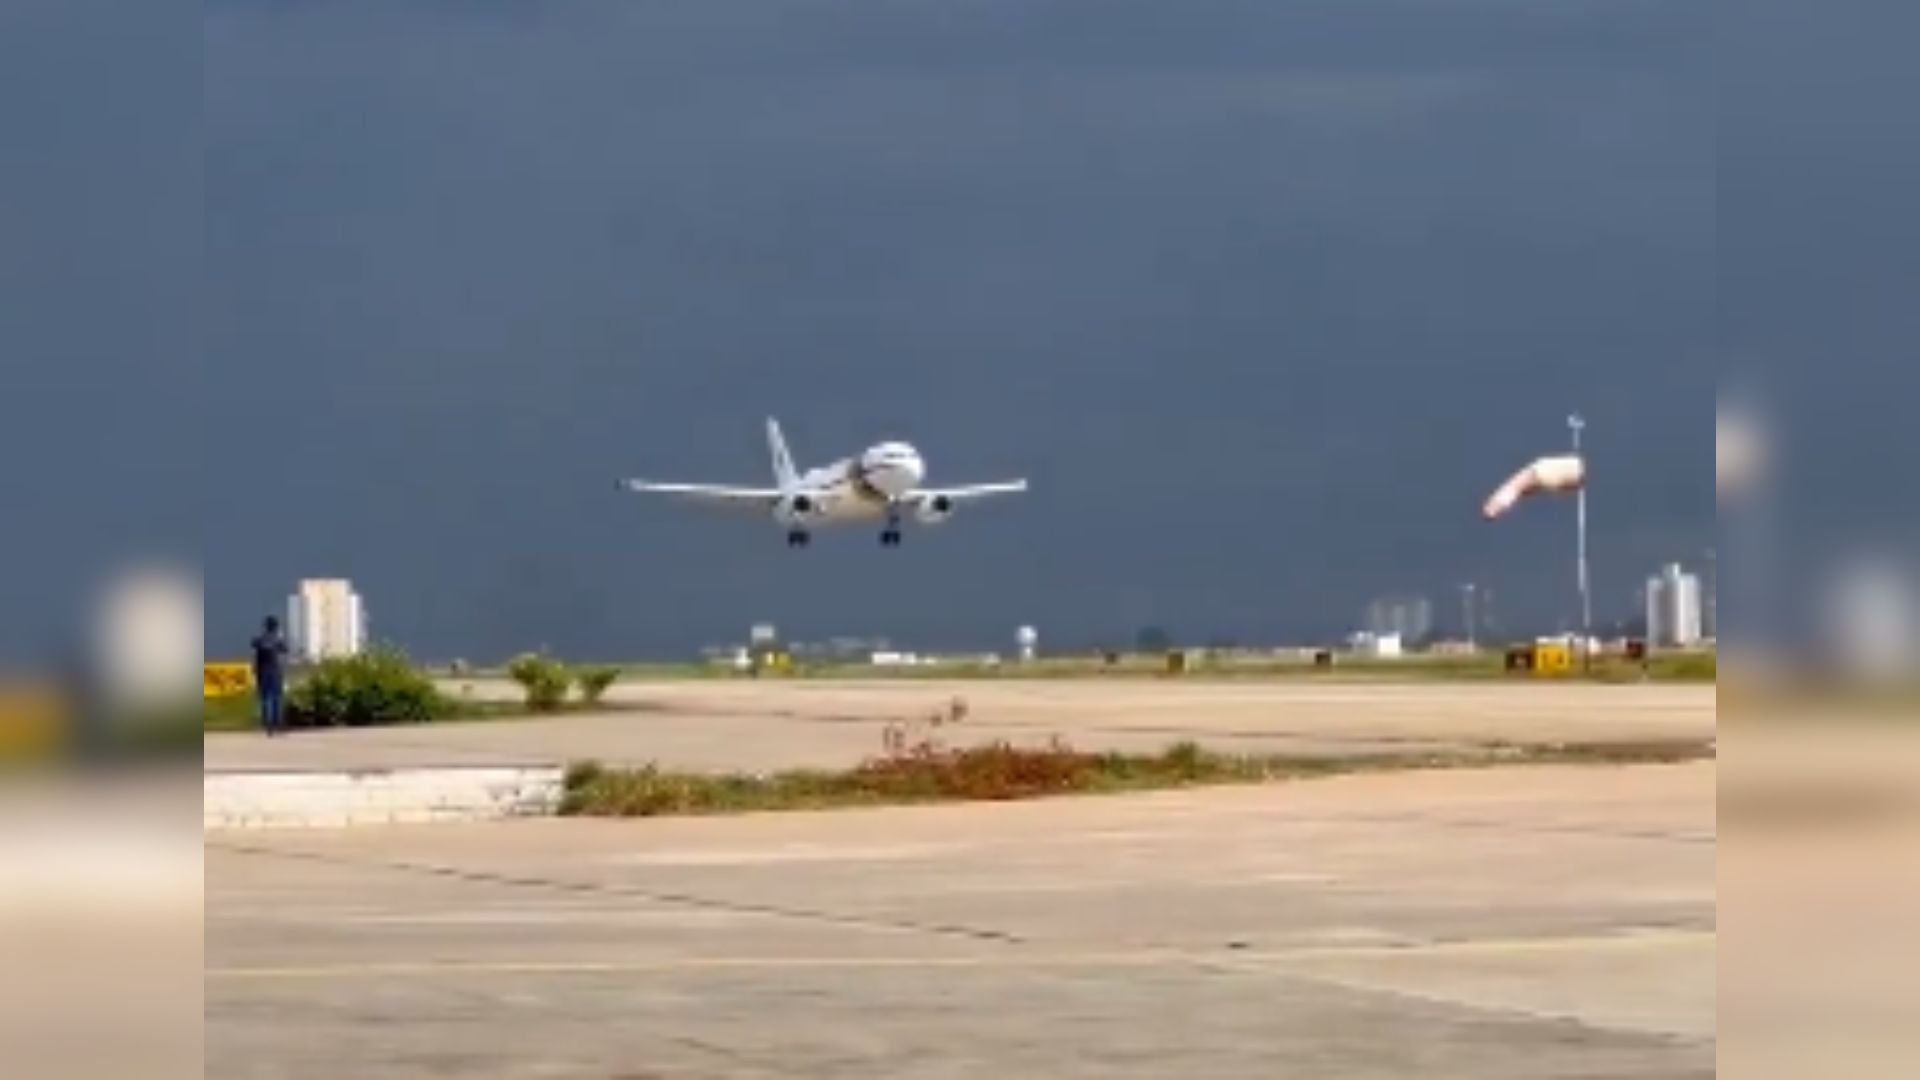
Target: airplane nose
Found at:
x=897, y=479
x=894, y=470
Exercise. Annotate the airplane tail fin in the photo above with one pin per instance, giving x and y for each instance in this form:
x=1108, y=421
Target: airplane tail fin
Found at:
x=783, y=471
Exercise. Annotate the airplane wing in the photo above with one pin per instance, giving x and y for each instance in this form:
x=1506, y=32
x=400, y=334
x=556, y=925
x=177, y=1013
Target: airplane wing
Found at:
x=708, y=494
x=969, y=492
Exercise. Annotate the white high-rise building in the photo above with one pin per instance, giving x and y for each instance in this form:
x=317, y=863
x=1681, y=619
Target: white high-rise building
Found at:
x=326, y=619
x=1674, y=609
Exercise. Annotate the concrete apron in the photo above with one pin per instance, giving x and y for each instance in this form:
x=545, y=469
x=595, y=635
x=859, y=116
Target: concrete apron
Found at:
x=292, y=800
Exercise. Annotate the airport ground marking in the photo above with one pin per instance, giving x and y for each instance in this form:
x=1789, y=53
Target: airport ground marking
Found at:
x=1276, y=959
x=691, y=901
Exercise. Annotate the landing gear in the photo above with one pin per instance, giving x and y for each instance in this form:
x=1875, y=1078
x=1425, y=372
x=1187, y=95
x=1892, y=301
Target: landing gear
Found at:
x=890, y=538
x=799, y=538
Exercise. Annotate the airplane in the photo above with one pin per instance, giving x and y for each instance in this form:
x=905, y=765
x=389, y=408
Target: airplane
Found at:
x=880, y=483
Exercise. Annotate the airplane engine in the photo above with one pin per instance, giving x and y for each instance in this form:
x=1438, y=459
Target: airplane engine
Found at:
x=933, y=511
x=796, y=511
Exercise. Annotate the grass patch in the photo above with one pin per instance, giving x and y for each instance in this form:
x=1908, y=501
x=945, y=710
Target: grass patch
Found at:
x=1687, y=667
x=999, y=772
x=230, y=714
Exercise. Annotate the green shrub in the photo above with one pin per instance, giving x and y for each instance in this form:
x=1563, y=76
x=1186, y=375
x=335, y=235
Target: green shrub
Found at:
x=544, y=680
x=583, y=774
x=594, y=682
x=1185, y=760
x=380, y=686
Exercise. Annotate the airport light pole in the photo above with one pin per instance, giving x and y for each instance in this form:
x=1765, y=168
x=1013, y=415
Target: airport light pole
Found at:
x=1577, y=424
x=1466, y=602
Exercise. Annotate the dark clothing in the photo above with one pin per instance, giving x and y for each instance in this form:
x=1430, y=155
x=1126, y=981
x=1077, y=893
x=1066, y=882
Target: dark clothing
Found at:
x=270, y=678
x=270, y=660
x=272, y=702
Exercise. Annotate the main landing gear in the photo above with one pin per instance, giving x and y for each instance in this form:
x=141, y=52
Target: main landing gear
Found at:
x=799, y=538
x=890, y=538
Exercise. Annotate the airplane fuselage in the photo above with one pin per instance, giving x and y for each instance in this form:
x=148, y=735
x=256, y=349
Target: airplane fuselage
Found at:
x=870, y=485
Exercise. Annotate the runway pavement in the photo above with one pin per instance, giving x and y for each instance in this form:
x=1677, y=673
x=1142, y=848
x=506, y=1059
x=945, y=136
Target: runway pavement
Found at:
x=740, y=725
x=1514, y=923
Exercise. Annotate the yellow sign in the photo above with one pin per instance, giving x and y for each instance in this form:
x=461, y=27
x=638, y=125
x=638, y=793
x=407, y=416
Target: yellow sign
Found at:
x=31, y=720
x=1552, y=659
x=778, y=663
x=226, y=680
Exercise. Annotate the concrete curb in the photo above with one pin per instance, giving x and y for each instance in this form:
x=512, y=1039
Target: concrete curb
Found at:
x=322, y=800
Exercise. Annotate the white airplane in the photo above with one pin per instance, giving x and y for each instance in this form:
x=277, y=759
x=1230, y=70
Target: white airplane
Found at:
x=881, y=483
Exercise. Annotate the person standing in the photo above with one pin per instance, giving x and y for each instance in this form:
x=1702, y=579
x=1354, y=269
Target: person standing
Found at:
x=270, y=675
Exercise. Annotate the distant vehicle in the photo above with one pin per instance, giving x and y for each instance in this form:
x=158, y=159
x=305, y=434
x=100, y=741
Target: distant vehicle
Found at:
x=882, y=483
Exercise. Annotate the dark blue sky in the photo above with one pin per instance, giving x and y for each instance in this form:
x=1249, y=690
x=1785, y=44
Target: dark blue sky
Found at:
x=101, y=293
x=1264, y=296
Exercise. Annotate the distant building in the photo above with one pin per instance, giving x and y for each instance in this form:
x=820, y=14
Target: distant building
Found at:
x=1409, y=618
x=325, y=620
x=1378, y=646
x=1674, y=609
x=848, y=649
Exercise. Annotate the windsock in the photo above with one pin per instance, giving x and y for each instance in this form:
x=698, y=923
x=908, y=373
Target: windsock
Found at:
x=1547, y=476
x=1739, y=452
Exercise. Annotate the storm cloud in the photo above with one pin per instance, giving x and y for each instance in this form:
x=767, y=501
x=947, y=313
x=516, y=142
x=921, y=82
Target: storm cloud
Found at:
x=1262, y=296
